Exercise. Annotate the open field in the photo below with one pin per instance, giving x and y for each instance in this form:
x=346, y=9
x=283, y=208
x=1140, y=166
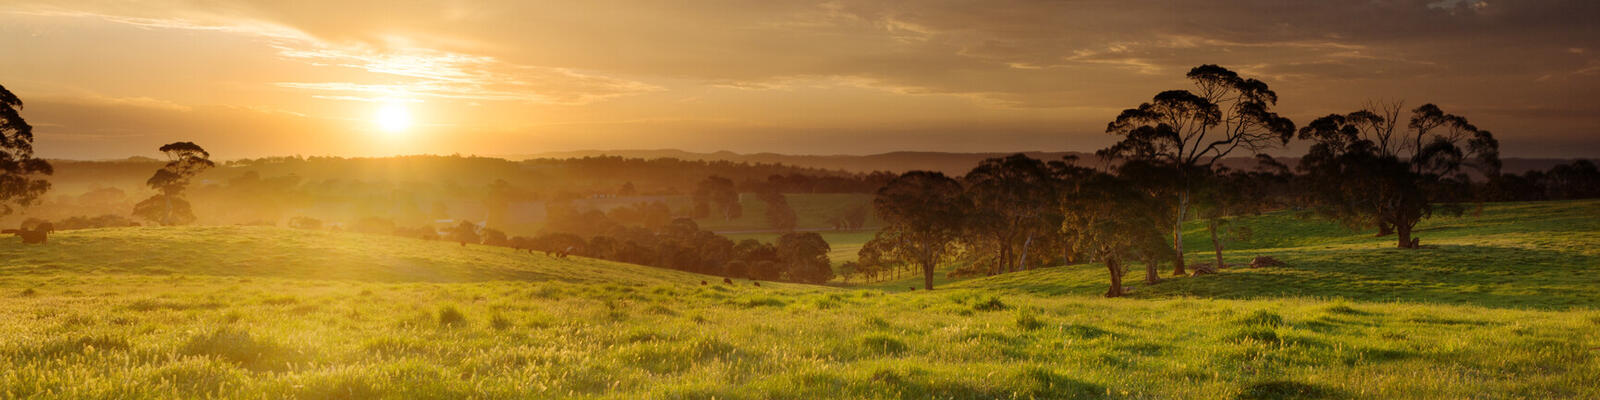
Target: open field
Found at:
x=1502, y=305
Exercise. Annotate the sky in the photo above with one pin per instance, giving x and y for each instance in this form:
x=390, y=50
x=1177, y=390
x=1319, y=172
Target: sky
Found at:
x=253, y=78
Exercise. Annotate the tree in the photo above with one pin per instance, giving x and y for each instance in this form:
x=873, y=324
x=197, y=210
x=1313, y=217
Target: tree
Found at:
x=167, y=206
x=494, y=237
x=924, y=213
x=1190, y=131
x=1365, y=169
x=1229, y=194
x=465, y=232
x=780, y=215
x=1105, y=217
x=18, y=168
x=805, y=257
x=1010, y=196
x=718, y=194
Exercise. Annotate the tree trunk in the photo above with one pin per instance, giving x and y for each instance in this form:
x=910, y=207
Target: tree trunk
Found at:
x=1150, y=275
x=927, y=275
x=1404, y=232
x=1116, y=278
x=1216, y=244
x=1022, y=261
x=1177, y=236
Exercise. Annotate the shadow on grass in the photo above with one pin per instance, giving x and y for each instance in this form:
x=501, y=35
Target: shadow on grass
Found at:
x=1487, y=276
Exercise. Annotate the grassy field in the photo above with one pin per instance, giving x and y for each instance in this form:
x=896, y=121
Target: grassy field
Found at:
x=1504, y=304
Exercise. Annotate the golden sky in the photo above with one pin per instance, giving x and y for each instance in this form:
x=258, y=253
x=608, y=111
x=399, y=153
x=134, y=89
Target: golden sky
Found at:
x=250, y=78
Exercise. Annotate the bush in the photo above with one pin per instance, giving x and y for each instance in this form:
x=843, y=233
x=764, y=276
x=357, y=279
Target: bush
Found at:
x=238, y=346
x=449, y=316
x=883, y=344
x=992, y=304
x=1028, y=321
x=1262, y=318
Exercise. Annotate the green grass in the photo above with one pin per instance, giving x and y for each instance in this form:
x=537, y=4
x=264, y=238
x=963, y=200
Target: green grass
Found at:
x=1542, y=255
x=1505, y=306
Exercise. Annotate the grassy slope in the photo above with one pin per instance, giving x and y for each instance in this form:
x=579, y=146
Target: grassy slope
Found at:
x=319, y=255
x=1522, y=255
x=269, y=313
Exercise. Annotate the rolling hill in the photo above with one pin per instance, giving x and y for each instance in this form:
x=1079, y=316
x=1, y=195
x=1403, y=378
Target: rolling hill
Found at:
x=1502, y=306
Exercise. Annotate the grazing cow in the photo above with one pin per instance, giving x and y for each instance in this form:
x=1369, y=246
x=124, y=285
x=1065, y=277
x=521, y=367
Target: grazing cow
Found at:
x=33, y=236
x=727, y=281
x=703, y=283
x=758, y=284
x=913, y=288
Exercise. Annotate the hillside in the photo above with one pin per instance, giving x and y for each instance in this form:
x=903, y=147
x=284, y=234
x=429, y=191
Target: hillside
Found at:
x=1518, y=255
x=247, y=251
x=277, y=313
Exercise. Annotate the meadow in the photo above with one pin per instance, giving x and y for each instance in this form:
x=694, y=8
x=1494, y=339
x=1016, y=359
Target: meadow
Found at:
x=1502, y=303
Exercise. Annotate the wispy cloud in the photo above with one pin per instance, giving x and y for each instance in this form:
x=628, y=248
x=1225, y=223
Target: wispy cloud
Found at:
x=438, y=74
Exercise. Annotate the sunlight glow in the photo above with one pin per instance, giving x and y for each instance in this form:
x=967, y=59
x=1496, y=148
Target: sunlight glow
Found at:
x=392, y=118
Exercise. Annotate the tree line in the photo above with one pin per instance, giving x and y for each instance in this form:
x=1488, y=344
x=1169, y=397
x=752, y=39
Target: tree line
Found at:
x=1384, y=166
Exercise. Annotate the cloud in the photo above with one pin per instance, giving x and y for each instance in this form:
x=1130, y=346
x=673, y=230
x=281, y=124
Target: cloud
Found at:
x=436, y=74
x=968, y=62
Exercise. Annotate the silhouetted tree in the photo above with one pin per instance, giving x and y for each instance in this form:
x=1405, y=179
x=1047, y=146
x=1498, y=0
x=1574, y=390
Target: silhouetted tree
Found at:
x=805, y=257
x=1107, y=218
x=465, y=232
x=718, y=194
x=18, y=168
x=1229, y=194
x=494, y=237
x=1364, y=169
x=1067, y=177
x=780, y=215
x=1190, y=131
x=924, y=213
x=168, y=207
x=1010, y=197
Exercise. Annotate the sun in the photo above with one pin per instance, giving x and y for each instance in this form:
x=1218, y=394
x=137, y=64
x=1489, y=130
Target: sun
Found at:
x=392, y=118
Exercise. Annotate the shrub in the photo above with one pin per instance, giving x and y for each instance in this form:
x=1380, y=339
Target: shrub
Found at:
x=1027, y=320
x=883, y=344
x=992, y=304
x=239, y=347
x=1255, y=334
x=449, y=316
x=1262, y=318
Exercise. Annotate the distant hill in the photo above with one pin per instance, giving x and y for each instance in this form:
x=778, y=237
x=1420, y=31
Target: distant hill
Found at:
x=946, y=162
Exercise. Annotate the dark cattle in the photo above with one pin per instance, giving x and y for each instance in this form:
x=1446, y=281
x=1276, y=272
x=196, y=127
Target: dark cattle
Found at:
x=727, y=281
x=758, y=284
x=703, y=283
